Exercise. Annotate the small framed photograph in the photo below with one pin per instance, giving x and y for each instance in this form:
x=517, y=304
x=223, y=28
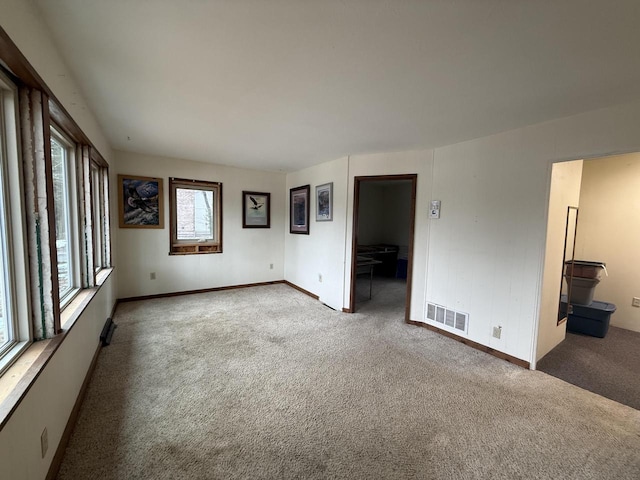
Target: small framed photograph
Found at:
x=299, y=210
x=324, y=202
x=140, y=202
x=256, y=210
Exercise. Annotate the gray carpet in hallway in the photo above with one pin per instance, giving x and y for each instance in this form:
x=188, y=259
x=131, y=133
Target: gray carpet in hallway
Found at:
x=608, y=366
x=266, y=383
x=387, y=296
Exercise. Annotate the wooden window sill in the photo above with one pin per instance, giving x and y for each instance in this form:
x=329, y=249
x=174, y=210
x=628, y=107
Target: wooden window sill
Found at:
x=194, y=249
x=16, y=382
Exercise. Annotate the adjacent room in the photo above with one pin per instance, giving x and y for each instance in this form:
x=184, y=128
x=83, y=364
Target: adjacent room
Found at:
x=284, y=239
x=593, y=207
x=385, y=225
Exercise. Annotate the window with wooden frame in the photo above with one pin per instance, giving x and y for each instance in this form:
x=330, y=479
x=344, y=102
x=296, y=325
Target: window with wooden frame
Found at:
x=65, y=196
x=100, y=207
x=195, y=211
x=49, y=218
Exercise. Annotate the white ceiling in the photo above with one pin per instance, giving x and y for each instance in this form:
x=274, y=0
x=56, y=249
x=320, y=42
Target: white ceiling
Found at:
x=284, y=84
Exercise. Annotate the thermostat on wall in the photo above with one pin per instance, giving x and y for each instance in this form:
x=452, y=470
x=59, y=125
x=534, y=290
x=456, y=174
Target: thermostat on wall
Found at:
x=434, y=209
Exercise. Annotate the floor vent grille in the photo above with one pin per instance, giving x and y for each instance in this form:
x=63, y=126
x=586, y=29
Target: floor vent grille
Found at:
x=448, y=317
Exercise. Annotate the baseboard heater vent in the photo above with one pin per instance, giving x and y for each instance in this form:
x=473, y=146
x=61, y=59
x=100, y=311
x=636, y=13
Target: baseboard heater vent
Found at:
x=448, y=317
x=107, y=332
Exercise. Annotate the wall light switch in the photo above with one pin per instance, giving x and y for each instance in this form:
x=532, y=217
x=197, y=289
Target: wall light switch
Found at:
x=434, y=209
x=635, y=302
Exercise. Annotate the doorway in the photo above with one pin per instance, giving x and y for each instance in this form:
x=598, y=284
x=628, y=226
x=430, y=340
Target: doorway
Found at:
x=596, y=347
x=382, y=247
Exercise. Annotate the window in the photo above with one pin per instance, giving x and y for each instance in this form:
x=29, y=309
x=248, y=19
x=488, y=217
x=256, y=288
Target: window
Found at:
x=99, y=204
x=6, y=312
x=46, y=203
x=14, y=302
x=196, y=216
x=65, y=207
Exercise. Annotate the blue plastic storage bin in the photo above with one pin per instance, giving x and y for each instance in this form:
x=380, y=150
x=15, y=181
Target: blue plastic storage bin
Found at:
x=590, y=319
x=401, y=271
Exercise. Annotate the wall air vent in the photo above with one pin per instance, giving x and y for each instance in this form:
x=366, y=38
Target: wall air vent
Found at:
x=450, y=318
x=431, y=311
x=461, y=321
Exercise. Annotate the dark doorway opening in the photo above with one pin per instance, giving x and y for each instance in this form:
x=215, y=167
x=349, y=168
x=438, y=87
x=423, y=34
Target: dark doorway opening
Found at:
x=382, y=249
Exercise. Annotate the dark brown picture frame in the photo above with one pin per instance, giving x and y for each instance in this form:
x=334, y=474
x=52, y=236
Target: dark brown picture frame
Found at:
x=299, y=211
x=140, y=202
x=256, y=209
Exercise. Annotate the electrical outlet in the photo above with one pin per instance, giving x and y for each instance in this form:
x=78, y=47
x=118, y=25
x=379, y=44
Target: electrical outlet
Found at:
x=635, y=302
x=271, y=266
x=152, y=275
x=497, y=332
x=44, y=442
x=320, y=277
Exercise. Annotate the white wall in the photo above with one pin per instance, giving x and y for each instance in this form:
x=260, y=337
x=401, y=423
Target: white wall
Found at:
x=23, y=23
x=247, y=252
x=485, y=255
x=327, y=250
x=370, y=218
x=322, y=252
x=564, y=192
x=420, y=163
x=385, y=210
x=487, y=250
x=609, y=231
x=396, y=217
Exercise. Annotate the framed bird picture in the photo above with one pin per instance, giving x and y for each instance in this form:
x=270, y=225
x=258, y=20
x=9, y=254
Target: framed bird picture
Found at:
x=256, y=210
x=140, y=202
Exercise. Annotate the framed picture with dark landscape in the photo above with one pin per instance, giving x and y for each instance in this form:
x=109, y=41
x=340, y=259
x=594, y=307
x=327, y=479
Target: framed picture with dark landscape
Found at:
x=299, y=210
x=256, y=210
x=324, y=202
x=140, y=202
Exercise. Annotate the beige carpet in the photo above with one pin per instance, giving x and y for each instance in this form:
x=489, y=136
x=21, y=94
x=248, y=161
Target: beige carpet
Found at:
x=267, y=383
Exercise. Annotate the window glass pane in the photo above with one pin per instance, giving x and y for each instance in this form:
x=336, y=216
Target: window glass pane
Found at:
x=5, y=336
x=15, y=332
x=98, y=216
x=61, y=203
x=194, y=214
x=5, y=320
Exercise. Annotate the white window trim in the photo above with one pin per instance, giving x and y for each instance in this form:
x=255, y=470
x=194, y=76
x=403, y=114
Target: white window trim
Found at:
x=99, y=207
x=98, y=216
x=16, y=255
x=72, y=219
